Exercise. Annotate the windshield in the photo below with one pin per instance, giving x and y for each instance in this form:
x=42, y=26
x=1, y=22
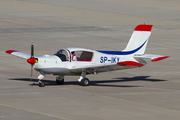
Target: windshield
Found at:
x=63, y=55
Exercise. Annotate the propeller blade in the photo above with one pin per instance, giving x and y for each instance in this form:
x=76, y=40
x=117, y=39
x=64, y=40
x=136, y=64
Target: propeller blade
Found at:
x=32, y=50
x=31, y=60
x=31, y=72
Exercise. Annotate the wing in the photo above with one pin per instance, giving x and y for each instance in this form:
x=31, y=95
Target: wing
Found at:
x=19, y=54
x=152, y=57
x=93, y=69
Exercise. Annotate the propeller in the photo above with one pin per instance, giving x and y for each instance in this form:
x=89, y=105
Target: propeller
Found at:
x=32, y=60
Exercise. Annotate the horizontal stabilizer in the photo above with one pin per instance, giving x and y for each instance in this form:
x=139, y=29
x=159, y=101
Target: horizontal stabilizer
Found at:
x=152, y=57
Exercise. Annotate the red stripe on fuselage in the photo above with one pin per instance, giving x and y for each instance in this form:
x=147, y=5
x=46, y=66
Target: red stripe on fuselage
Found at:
x=130, y=63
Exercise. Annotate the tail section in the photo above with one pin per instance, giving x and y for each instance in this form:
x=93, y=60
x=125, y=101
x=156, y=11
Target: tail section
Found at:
x=137, y=43
x=139, y=39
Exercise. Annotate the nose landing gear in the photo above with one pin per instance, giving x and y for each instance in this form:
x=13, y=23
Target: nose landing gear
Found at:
x=41, y=83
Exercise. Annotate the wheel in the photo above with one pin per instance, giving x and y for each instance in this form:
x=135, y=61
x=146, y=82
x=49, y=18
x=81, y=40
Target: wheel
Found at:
x=85, y=82
x=41, y=84
x=59, y=82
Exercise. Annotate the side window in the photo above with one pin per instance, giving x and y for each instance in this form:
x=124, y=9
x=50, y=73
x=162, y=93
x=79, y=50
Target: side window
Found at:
x=82, y=56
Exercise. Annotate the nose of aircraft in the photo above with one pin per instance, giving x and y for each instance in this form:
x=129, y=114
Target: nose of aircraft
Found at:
x=31, y=60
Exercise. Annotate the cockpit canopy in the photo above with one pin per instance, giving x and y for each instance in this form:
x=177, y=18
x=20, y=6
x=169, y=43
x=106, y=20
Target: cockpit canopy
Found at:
x=80, y=55
x=63, y=55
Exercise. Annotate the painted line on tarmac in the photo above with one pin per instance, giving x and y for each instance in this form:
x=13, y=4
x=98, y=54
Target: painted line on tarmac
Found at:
x=143, y=87
x=31, y=111
x=156, y=88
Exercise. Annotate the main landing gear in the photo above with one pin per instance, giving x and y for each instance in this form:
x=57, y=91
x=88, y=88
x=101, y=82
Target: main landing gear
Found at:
x=60, y=79
x=83, y=80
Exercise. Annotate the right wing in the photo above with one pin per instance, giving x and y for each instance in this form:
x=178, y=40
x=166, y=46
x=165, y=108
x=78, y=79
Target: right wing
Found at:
x=19, y=54
x=92, y=68
x=105, y=67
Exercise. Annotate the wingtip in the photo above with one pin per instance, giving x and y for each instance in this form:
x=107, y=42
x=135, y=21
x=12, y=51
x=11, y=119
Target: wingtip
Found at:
x=11, y=51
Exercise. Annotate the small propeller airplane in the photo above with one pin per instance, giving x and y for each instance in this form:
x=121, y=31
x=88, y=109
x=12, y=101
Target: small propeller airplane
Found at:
x=80, y=61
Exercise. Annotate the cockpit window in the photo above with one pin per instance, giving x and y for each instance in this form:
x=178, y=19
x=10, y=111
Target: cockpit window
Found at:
x=82, y=56
x=63, y=55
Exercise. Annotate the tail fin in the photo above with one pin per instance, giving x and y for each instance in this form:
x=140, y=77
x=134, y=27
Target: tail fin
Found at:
x=139, y=39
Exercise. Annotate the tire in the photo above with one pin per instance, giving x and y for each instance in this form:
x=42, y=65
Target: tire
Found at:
x=59, y=82
x=85, y=82
x=41, y=84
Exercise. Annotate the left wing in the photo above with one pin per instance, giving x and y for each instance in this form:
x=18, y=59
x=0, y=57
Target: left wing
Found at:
x=19, y=54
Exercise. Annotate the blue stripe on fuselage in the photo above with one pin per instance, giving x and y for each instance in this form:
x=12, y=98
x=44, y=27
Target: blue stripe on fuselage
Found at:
x=123, y=52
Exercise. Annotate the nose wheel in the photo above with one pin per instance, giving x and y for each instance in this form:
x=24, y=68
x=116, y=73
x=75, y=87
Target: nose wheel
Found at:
x=41, y=84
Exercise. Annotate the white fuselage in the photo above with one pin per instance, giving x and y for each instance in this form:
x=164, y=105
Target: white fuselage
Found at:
x=54, y=65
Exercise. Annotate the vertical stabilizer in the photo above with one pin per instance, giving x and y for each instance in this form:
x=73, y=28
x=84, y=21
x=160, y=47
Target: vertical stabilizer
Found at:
x=139, y=39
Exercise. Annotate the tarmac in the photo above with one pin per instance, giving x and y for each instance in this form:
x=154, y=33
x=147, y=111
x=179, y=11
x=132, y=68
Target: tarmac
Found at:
x=148, y=93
